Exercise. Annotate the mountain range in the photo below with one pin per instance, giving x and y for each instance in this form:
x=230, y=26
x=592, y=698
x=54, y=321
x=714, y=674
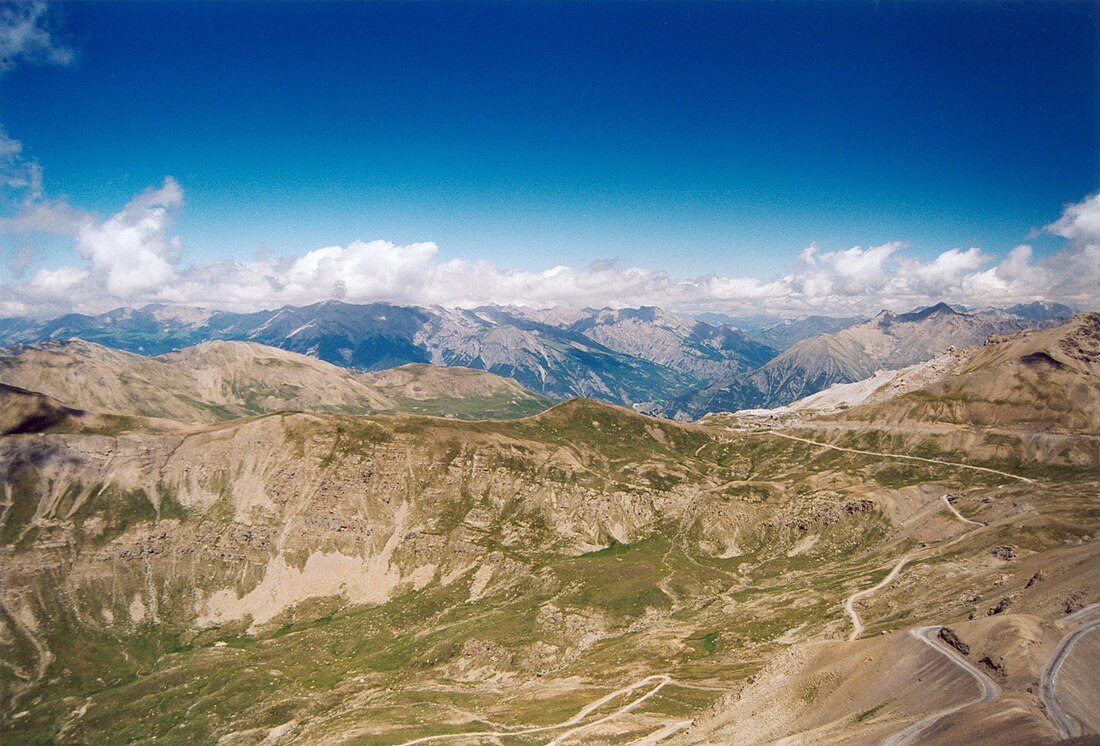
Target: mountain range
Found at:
x=658, y=362
x=888, y=341
x=228, y=571
x=781, y=333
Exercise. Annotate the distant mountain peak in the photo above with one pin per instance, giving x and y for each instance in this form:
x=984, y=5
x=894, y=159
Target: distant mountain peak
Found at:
x=940, y=309
x=1040, y=310
x=882, y=318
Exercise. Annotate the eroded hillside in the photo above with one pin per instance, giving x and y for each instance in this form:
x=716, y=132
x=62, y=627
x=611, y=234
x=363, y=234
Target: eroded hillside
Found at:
x=588, y=575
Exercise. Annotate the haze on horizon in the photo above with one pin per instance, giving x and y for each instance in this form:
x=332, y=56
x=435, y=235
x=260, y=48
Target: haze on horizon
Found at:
x=787, y=157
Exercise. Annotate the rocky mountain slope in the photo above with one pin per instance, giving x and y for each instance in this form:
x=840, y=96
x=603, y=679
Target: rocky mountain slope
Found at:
x=888, y=341
x=1047, y=378
x=622, y=357
x=215, y=381
x=780, y=333
x=706, y=352
x=585, y=575
x=1040, y=310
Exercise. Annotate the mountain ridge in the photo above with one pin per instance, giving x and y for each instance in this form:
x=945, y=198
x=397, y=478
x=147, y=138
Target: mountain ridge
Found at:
x=660, y=363
x=886, y=341
x=331, y=577
x=219, y=380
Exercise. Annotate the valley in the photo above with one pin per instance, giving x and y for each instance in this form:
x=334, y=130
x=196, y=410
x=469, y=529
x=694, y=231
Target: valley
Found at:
x=585, y=575
x=657, y=362
x=549, y=373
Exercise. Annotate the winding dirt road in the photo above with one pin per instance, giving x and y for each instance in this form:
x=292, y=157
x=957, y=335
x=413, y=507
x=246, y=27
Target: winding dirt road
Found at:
x=850, y=602
x=960, y=515
x=990, y=689
x=1067, y=725
x=898, y=455
x=662, y=680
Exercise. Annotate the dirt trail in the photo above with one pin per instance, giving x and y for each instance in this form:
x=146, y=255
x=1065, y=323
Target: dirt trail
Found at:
x=664, y=680
x=849, y=603
x=661, y=680
x=42, y=652
x=921, y=428
x=1067, y=726
x=659, y=735
x=990, y=689
x=897, y=455
x=958, y=514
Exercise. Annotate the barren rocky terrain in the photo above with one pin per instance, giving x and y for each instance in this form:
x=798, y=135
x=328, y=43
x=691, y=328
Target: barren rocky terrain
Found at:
x=587, y=575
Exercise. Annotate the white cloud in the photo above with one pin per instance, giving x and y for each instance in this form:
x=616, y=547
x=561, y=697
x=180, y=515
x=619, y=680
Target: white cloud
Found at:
x=944, y=275
x=54, y=282
x=746, y=288
x=18, y=175
x=1080, y=222
x=132, y=258
x=25, y=36
x=131, y=252
x=857, y=270
x=43, y=216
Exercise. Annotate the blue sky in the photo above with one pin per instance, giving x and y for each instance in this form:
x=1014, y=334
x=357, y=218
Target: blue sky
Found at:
x=687, y=138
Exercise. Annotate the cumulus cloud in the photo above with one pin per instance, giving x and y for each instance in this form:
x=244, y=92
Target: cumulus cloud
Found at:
x=1075, y=273
x=1079, y=222
x=131, y=252
x=56, y=282
x=132, y=258
x=857, y=270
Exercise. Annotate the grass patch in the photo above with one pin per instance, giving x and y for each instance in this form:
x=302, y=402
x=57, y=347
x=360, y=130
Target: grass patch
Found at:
x=706, y=643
